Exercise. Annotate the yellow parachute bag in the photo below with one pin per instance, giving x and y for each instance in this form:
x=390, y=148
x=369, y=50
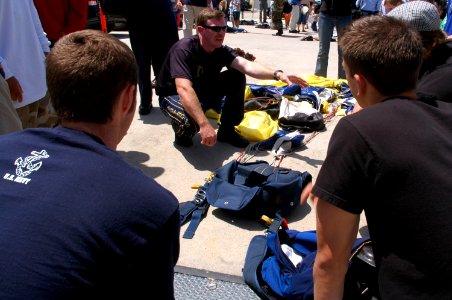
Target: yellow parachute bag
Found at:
x=257, y=126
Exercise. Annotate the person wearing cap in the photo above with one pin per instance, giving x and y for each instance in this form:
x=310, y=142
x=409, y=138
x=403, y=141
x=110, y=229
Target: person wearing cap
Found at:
x=436, y=71
x=391, y=160
x=191, y=82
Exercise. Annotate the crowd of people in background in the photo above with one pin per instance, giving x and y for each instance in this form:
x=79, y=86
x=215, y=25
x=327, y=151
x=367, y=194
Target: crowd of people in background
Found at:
x=53, y=73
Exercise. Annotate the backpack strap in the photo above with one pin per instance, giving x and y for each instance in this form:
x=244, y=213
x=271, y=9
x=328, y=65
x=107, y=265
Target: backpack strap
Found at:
x=277, y=222
x=194, y=210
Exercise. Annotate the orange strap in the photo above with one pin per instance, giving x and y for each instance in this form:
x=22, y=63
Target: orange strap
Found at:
x=103, y=18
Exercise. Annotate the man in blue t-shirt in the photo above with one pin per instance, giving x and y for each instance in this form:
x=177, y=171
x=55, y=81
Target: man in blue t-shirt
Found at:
x=191, y=81
x=78, y=222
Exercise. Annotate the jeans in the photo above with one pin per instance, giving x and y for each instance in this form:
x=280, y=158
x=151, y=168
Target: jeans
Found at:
x=326, y=26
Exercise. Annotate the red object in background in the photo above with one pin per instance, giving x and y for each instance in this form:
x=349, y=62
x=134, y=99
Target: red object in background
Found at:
x=103, y=19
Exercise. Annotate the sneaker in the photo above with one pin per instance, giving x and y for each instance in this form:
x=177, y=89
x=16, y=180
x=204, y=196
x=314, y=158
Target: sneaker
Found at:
x=183, y=141
x=294, y=31
x=233, y=138
x=144, y=109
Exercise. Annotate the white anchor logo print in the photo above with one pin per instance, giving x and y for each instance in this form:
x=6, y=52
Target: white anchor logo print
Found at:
x=25, y=167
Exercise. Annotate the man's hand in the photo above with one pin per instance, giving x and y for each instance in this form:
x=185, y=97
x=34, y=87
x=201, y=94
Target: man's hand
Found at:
x=15, y=89
x=290, y=79
x=259, y=71
x=208, y=135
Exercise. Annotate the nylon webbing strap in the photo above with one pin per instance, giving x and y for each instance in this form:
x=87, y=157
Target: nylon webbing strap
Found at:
x=195, y=220
x=198, y=213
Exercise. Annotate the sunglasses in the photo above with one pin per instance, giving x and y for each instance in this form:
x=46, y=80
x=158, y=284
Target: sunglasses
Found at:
x=216, y=28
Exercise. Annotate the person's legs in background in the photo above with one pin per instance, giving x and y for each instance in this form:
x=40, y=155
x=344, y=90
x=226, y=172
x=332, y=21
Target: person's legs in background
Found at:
x=164, y=34
x=326, y=27
x=28, y=115
x=236, y=19
x=188, y=20
x=276, y=20
x=9, y=120
x=161, y=27
x=143, y=56
x=294, y=15
x=341, y=23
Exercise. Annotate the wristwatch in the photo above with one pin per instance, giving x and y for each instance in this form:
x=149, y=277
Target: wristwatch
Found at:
x=275, y=74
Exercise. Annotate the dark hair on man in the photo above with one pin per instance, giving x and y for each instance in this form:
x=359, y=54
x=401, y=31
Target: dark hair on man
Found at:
x=385, y=50
x=431, y=40
x=86, y=71
x=209, y=14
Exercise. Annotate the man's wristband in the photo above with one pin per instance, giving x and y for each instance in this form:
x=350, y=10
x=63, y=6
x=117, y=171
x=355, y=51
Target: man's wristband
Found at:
x=275, y=74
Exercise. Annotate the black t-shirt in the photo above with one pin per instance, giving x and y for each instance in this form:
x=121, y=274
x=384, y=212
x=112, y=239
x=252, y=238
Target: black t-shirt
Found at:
x=394, y=161
x=187, y=59
x=78, y=222
x=435, y=78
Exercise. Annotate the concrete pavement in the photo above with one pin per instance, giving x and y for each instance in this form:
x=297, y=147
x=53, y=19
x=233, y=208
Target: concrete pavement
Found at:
x=221, y=241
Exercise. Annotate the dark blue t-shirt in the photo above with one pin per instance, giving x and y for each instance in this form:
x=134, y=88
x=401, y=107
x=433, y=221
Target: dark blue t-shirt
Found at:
x=78, y=222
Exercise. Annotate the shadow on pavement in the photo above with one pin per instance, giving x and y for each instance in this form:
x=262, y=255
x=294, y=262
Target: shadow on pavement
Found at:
x=156, y=117
x=310, y=161
x=207, y=158
x=138, y=159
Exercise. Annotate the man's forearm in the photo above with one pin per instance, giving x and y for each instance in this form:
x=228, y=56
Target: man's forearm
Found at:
x=192, y=106
x=328, y=281
x=334, y=244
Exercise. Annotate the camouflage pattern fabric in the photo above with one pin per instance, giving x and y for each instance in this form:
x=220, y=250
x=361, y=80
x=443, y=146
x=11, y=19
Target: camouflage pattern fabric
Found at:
x=277, y=10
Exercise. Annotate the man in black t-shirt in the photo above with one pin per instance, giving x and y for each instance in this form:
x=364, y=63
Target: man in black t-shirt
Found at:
x=392, y=160
x=191, y=81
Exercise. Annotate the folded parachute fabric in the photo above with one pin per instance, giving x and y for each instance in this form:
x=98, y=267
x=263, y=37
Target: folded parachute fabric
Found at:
x=290, y=90
x=286, y=143
x=267, y=104
x=323, y=81
x=299, y=116
x=278, y=139
x=257, y=90
x=346, y=107
x=257, y=126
